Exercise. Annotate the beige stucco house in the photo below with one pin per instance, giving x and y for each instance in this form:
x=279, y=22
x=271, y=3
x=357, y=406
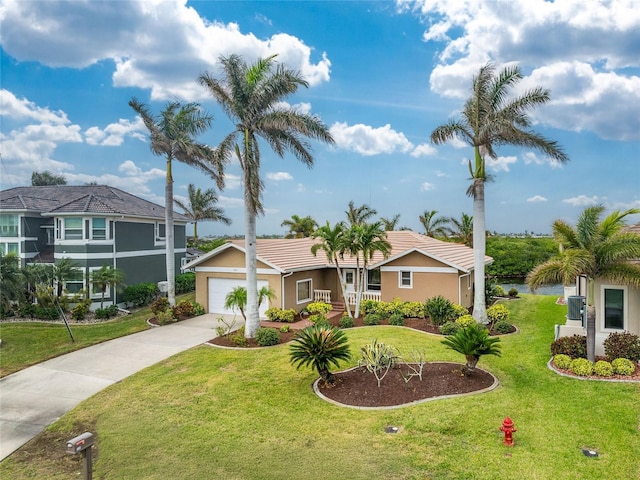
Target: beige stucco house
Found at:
x=418, y=267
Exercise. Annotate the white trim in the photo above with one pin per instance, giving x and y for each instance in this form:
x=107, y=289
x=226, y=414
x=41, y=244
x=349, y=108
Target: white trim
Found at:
x=141, y=253
x=243, y=270
x=426, y=254
x=221, y=248
x=625, y=307
x=109, y=255
x=419, y=269
x=304, y=300
x=400, y=284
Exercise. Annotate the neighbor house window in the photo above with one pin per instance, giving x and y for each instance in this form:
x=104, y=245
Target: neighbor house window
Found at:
x=405, y=279
x=160, y=232
x=75, y=283
x=373, y=280
x=614, y=308
x=73, y=229
x=303, y=291
x=96, y=289
x=8, y=225
x=12, y=248
x=99, y=228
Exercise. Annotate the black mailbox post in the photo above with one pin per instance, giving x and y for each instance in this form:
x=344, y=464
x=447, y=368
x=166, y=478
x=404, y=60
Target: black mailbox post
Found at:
x=82, y=444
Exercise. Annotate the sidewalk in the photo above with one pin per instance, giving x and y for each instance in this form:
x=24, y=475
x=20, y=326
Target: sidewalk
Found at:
x=35, y=397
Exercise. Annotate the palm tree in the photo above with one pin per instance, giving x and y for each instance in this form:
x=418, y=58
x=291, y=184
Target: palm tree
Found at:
x=172, y=135
x=202, y=206
x=237, y=298
x=64, y=270
x=359, y=215
x=473, y=342
x=107, y=277
x=391, y=224
x=253, y=98
x=461, y=229
x=299, y=227
x=490, y=119
x=433, y=226
x=593, y=248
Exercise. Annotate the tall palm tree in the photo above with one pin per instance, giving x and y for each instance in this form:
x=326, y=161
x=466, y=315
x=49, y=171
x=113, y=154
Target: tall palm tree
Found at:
x=593, y=248
x=491, y=118
x=107, y=277
x=461, y=230
x=299, y=227
x=359, y=215
x=253, y=98
x=202, y=206
x=433, y=226
x=390, y=224
x=172, y=135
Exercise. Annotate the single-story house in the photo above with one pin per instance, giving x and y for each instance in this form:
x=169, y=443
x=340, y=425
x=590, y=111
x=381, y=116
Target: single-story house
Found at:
x=418, y=267
x=617, y=307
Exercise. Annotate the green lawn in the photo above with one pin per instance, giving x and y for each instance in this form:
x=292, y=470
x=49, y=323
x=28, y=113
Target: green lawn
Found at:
x=229, y=414
x=25, y=344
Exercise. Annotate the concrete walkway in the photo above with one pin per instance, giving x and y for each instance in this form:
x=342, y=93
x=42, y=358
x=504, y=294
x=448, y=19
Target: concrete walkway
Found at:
x=35, y=397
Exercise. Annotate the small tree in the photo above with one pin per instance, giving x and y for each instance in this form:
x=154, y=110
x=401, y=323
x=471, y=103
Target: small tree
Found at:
x=40, y=179
x=472, y=342
x=237, y=298
x=10, y=281
x=319, y=346
x=107, y=277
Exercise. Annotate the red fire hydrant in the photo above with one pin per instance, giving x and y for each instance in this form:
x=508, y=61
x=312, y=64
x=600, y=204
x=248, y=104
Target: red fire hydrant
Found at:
x=508, y=429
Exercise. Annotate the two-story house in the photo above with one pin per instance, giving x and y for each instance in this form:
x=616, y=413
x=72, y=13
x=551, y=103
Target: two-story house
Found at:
x=94, y=225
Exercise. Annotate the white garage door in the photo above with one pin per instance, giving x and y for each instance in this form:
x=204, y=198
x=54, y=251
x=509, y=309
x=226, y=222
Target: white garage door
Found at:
x=220, y=287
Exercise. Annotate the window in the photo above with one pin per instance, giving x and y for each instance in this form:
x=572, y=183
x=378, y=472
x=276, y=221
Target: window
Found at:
x=99, y=228
x=12, y=248
x=160, y=232
x=75, y=282
x=614, y=308
x=8, y=225
x=373, y=280
x=73, y=229
x=405, y=279
x=96, y=289
x=303, y=291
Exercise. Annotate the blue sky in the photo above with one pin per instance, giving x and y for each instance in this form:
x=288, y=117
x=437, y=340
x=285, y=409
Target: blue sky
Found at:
x=382, y=75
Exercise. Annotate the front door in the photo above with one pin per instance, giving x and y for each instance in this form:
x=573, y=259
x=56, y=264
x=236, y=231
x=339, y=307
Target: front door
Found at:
x=349, y=279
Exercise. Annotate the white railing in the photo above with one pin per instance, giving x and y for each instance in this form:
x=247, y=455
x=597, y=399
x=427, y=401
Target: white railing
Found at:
x=322, y=296
x=351, y=297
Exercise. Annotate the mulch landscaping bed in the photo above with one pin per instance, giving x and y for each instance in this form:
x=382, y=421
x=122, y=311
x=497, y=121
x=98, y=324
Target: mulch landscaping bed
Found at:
x=635, y=377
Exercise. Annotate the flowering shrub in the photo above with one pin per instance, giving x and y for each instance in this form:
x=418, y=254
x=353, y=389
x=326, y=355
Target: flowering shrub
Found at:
x=413, y=310
x=276, y=314
x=497, y=312
x=319, y=307
x=465, y=321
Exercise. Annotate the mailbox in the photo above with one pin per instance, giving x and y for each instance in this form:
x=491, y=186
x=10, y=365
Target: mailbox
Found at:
x=80, y=443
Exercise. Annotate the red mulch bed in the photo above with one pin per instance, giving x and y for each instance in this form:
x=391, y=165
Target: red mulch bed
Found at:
x=358, y=387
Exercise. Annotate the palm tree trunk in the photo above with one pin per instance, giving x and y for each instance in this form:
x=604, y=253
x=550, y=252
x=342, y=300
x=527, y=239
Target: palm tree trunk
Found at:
x=479, y=241
x=343, y=287
x=195, y=233
x=169, y=240
x=591, y=321
x=253, y=316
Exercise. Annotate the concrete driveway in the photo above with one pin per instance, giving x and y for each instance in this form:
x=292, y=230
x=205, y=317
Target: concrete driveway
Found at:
x=35, y=397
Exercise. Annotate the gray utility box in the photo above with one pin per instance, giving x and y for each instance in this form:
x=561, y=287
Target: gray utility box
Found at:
x=80, y=443
x=575, y=307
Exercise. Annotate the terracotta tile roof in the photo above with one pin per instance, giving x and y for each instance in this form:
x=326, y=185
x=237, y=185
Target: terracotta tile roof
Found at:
x=78, y=199
x=295, y=254
x=633, y=228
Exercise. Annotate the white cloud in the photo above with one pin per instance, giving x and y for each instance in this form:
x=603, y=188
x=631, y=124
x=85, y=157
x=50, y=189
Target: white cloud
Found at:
x=23, y=109
x=367, y=140
x=279, y=176
x=424, y=150
x=582, y=201
x=114, y=134
x=301, y=107
x=426, y=186
x=537, y=198
x=532, y=158
x=501, y=164
x=133, y=35
x=230, y=202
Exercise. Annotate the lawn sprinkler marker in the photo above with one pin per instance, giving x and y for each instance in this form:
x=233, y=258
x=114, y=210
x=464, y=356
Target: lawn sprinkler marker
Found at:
x=391, y=429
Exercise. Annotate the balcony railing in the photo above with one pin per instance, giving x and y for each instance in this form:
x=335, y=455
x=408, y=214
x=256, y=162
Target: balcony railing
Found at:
x=325, y=296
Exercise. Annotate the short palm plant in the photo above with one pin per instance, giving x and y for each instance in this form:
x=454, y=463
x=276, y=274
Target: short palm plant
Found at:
x=320, y=347
x=473, y=342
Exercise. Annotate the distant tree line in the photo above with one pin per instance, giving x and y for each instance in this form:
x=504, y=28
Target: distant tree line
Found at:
x=516, y=257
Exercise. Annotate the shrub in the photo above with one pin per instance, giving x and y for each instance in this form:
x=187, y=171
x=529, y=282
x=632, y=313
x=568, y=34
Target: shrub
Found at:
x=465, y=321
x=513, y=292
x=372, y=319
x=497, y=312
x=80, y=311
x=622, y=345
x=160, y=305
x=439, y=309
x=581, y=367
x=273, y=313
x=502, y=327
x=449, y=328
x=472, y=342
x=239, y=339
x=46, y=313
x=346, y=322
x=140, y=294
x=185, y=282
x=562, y=361
x=319, y=347
x=575, y=346
x=369, y=306
x=184, y=308
x=603, y=368
x=623, y=366
x=107, y=312
x=458, y=311
x=396, y=319
x=198, y=309
x=165, y=317
x=319, y=307
x=276, y=314
x=265, y=337
x=27, y=310
x=285, y=329
x=378, y=358
x=386, y=309
x=498, y=291
x=412, y=310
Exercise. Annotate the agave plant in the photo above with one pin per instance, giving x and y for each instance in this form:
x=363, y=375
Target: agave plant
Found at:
x=473, y=341
x=320, y=347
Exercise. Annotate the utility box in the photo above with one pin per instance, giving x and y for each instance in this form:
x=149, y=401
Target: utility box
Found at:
x=163, y=286
x=80, y=443
x=575, y=308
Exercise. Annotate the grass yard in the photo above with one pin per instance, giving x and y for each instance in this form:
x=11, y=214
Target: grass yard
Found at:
x=241, y=415
x=28, y=343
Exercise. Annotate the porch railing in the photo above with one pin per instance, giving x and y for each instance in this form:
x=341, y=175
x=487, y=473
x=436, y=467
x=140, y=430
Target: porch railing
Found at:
x=322, y=296
x=351, y=297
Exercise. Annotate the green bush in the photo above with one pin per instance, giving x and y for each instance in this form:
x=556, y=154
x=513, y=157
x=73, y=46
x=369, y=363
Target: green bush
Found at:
x=575, y=346
x=622, y=345
x=439, y=309
x=396, y=319
x=238, y=338
x=369, y=306
x=160, y=305
x=378, y=358
x=265, y=337
x=107, y=312
x=319, y=347
x=465, y=321
x=80, y=311
x=346, y=322
x=562, y=361
x=276, y=314
x=513, y=292
x=46, y=313
x=386, y=309
x=623, y=366
x=581, y=367
x=412, y=310
x=198, y=309
x=185, y=282
x=140, y=294
x=285, y=329
x=165, y=317
x=458, y=311
x=502, y=327
x=497, y=312
x=449, y=328
x=372, y=319
x=27, y=310
x=498, y=291
x=319, y=307
x=603, y=368
x=184, y=308
x=472, y=342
